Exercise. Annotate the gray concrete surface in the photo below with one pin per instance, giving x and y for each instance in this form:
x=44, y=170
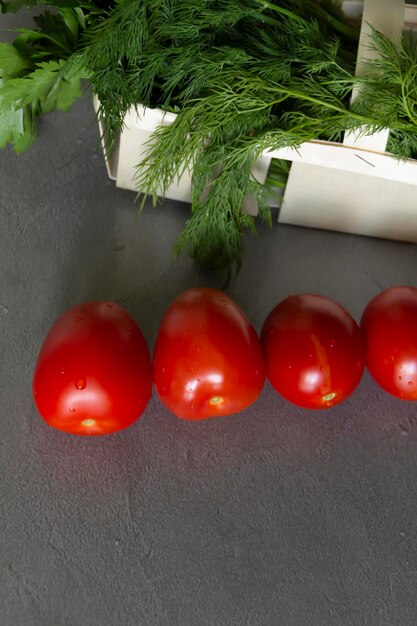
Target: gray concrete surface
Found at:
x=274, y=517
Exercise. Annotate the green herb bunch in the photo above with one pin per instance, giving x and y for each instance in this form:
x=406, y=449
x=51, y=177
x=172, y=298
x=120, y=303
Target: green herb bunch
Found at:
x=244, y=77
x=34, y=73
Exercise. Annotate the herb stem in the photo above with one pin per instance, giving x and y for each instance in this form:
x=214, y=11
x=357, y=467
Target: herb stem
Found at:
x=349, y=31
x=266, y=19
x=345, y=29
x=38, y=35
x=404, y=97
x=273, y=7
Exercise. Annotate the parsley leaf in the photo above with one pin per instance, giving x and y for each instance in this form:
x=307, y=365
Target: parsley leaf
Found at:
x=16, y=125
x=48, y=86
x=12, y=63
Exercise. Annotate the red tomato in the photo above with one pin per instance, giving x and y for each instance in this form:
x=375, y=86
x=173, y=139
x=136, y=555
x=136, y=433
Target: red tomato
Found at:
x=314, y=351
x=208, y=359
x=93, y=375
x=389, y=326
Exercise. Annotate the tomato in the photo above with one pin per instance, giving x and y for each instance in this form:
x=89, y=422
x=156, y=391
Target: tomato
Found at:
x=314, y=351
x=208, y=359
x=389, y=326
x=94, y=374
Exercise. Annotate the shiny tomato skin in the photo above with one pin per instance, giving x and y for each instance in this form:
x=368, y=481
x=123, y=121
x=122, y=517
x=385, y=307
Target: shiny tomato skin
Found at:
x=313, y=350
x=93, y=375
x=208, y=359
x=389, y=327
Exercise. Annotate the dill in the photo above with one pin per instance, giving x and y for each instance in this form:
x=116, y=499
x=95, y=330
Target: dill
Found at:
x=244, y=77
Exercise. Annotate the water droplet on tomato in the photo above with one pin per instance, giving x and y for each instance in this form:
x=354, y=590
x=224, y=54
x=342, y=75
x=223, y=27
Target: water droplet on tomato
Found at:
x=410, y=382
x=400, y=377
x=392, y=357
x=333, y=343
x=72, y=410
x=80, y=383
x=109, y=306
x=62, y=371
x=163, y=369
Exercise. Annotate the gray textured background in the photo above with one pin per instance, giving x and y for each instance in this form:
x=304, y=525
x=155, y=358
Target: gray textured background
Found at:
x=275, y=517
